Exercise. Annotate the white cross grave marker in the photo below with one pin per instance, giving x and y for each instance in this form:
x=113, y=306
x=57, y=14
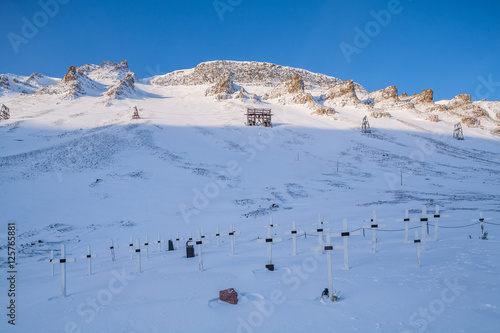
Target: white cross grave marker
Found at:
x=202, y=237
x=405, y=220
x=425, y=220
x=231, y=233
x=112, y=248
x=320, y=231
x=374, y=226
x=146, y=245
x=294, y=232
x=217, y=234
x=345, y=235
x=328, y=248
x=63, y=260
x=177, y=240
x=190, y=237
x=437, y=216
x=269, y=240
x=418, y=241
x=159, y=241
x=200, y=241
x=131, y=248
x=481, y=219
x=89, y=256
x=138, y=255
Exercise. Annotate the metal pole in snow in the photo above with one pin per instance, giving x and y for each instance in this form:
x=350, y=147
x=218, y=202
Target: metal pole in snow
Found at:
x=63, y=271
x=218, y=237
x=177, y=240
x=294, y=236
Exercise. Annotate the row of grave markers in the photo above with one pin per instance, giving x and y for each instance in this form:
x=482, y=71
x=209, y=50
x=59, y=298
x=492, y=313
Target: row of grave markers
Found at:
x=324, y=233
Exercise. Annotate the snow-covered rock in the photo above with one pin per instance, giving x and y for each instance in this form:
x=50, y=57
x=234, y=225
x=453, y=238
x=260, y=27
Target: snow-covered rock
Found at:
x=74, y=84
x=243, y=72
x=292, y=92
x=124, y=88
x=387, y=99
x=342, y=95
x=462, y=105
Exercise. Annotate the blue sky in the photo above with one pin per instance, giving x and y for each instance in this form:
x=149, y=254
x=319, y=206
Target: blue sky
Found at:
x=450, y=46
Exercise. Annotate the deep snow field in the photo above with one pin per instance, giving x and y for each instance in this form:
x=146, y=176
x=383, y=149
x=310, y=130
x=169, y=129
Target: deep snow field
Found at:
x=190, y=163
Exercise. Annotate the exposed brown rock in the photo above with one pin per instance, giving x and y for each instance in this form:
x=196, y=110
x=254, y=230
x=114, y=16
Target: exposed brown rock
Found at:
x=229, y=295
x=70, y=75
x=433, y=118
x=292, y=86
x=122, y=88
x=426, y=96
x=342, y=90
x=223, y=87
x=470, y=121
x=380, y=114
x=403, y=95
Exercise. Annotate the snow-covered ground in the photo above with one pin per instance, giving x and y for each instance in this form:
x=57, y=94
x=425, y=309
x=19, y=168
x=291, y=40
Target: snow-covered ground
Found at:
x=80, y=173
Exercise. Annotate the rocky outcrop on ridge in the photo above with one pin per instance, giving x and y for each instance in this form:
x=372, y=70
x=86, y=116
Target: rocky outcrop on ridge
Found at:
x=343, y=95
x=243, y=72
x=292, y=92
x=124, y=88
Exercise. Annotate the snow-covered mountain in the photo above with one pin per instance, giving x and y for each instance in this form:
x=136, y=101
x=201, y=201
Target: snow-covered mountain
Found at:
x=76, y=168
x=12, y=84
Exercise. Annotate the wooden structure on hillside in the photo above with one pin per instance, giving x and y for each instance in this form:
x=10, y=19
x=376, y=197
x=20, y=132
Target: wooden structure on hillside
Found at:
x=4, y=113
x=365, y=127
x=457, y=132
x=136, y=113
x=257, y=117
